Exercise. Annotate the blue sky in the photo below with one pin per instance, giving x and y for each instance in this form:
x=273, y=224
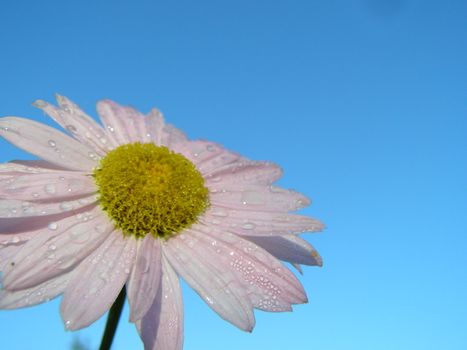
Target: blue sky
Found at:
x=363, y=103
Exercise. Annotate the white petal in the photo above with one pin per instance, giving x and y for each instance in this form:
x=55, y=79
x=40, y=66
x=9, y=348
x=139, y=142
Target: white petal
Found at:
x=260, y=198
x=22, y=225
x=145, y=277
x=270, y=285
x=207, y=156
x=289, y=248
x=160, y=133
x=240, y=173
x=55, y=184
x=97, y=281
x=47, y=143
x=18, y=208
x=39, y=294
x=56, y=250
x=155, y=126
x=162, y=326
x=244, y=222
x=218, y=287
x=7, y=252
x=123, y=124
x=24, y=167
x=81, y=126
x=14, y=239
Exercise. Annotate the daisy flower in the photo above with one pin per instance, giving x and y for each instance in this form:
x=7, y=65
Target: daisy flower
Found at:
x=132, y=205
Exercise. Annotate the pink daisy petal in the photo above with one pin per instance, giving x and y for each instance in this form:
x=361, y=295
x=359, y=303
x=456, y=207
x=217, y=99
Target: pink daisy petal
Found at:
x=56, y=250
x=260, y=198
x=81, y=126
x=124, y=124
x=289, y=248
x=162, y=326
x=40, y=165
x=12, y=208
x=240, y=173
x=155, y=126
x=7, y=252
x=25, y=167
x=97, y=281
x=53, y=185
x=218, y=287
x=8, y=239
x=145, y=278
x=13, y=226
x=160, y=133
x=47, y=143
x=218, y=161
x=207, y=156
x=270, y=285
x=36, y=295
x=172, y=136
x=259, y=223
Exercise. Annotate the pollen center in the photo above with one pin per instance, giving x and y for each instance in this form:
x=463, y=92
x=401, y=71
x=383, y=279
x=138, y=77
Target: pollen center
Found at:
x=145, y=189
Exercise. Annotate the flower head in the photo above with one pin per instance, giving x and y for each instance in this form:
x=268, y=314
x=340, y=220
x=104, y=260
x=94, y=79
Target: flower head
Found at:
x=134, y=204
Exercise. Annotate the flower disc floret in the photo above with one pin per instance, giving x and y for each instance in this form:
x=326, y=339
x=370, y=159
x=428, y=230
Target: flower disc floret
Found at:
x=145, y=189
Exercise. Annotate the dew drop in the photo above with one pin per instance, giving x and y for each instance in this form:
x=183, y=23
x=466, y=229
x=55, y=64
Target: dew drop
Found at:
x=52, y=143
x=219, y=212
x=52, y=247
x=15, y=239
x=50, y=188
x=110, y=128
x=53, y=226
x=92, y=155
x=66, y=206
x=71, y=128
x=248, y=226
x=100, y=228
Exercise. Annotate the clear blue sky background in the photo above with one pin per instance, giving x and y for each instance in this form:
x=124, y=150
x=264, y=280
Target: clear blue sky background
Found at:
x=363, y=103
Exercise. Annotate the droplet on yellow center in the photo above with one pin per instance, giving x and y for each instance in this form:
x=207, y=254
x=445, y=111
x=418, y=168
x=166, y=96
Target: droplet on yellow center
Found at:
x=145, y=189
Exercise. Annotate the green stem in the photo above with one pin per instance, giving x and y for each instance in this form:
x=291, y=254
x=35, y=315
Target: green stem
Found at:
x=112, y=321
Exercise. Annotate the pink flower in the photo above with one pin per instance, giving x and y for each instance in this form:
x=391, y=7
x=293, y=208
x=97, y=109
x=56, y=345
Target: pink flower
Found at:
x=109, y=207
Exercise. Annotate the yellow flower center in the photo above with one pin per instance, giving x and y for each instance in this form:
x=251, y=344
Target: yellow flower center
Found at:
x=145, y=189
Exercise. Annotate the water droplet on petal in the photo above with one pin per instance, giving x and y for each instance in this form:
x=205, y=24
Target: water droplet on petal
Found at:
x=100, y=228
x=248, y=226
x=52, y=143
x=66, y=206
x=92, y=155
x=50, y=188
x=71, y=128
x=53, y=226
